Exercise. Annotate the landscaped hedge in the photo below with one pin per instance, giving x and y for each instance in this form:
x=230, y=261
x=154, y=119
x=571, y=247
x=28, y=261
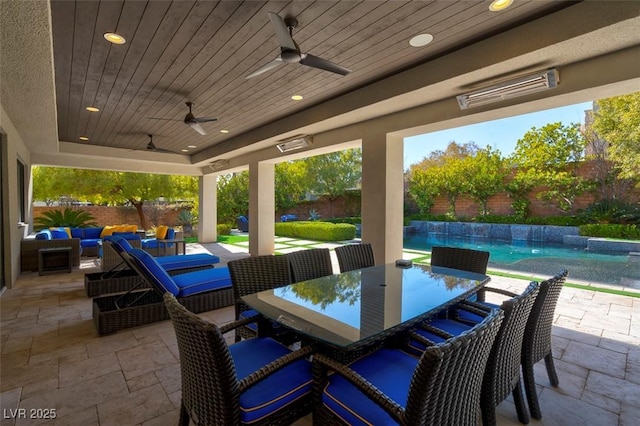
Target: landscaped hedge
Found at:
x=320, y=231
x=352, y=220
x=223, y=229
x=626, y=232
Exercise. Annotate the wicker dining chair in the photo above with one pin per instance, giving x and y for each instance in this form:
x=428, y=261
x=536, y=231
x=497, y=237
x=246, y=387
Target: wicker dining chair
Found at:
x=252, y=275
x=389, y=386
x=537, y=339
x=310, y=264
x=257, y=381
x=355, y=256
x=502, y=376
x=460, y=258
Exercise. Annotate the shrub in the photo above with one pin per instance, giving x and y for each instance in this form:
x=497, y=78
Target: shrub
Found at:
x=64, y=218
x=626, y=232
x=352, y=220
x=319, y=231
x=223, y=229
x=612, y=211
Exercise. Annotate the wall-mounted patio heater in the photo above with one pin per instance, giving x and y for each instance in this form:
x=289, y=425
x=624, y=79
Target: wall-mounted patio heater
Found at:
x=294, y=143
x=519, y=86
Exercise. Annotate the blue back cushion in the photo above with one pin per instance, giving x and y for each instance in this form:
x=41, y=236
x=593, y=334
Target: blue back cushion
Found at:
x=76, y=233
x=59, y=234
x=92, y=233
x=171, y=234
x=160, y=277
x=45, y=234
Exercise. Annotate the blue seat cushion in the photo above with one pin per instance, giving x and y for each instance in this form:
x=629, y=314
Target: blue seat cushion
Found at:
x=149, y=243
x=156, y=272
x=276, y=391
x=470, y=317
x=90, y=242
x=202, y=281
x=249, y=313
x=452, y=327
x=387, y=369
x=183, y=261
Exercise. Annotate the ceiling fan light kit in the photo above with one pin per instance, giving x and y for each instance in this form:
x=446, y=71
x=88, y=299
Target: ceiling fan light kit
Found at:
x=297, y=142
x=519, y=86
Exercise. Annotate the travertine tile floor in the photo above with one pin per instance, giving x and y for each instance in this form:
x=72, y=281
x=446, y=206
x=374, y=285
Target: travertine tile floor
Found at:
x=53, y=359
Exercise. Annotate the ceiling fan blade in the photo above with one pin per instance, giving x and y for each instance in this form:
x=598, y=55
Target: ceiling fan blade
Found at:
x=166, y=119
x=323, y=64
x=204, y=119
x=282, y=32
x=265, y=68
x=195, y=126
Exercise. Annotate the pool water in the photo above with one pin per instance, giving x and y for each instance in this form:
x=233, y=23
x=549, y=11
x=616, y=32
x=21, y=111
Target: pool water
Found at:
x=543, y=259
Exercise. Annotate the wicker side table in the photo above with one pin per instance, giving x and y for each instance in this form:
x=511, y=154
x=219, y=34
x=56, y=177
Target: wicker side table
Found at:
x=54, y=259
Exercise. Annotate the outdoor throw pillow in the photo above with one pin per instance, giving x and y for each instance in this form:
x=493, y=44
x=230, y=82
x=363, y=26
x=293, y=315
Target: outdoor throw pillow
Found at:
x=161, y=232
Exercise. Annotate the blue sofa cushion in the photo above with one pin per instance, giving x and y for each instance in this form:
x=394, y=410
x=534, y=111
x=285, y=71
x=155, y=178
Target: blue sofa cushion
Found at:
x=91, y=233
x=59, y=234
x=389, y=370
x=45, y=234
x=276, y=391
x=77, y=233
x=152, y=243
x=202, y=281
x=89, y=242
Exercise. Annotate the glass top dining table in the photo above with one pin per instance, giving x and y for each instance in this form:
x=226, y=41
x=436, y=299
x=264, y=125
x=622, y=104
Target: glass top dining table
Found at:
x=356, y=308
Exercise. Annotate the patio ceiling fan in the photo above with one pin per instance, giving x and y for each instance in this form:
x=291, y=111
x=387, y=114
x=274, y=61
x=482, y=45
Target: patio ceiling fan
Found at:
x=191, y=120
x=152, y=147
x=290, y=51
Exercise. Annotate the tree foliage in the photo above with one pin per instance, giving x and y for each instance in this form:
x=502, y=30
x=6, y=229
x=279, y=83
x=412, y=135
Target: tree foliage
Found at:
x=485, y=174
x=549, y=158
x=617, y=121
x=233, y=196
x=112, y=187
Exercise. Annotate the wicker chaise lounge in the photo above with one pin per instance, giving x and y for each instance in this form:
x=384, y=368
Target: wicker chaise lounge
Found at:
x=198, y=291
x=121, y=279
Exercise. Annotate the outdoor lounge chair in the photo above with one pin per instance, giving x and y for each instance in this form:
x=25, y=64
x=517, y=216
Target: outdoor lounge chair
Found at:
x=502, y=374
x=389, y=386
x=122, y=277
x=257, y=381
x=198, y=291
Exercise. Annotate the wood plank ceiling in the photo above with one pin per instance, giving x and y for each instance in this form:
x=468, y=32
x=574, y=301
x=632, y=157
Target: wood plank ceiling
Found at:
x=178, y=51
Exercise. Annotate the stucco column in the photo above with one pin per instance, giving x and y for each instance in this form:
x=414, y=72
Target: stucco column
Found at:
x=208, y=209
x=261, y=208
x=382, y=195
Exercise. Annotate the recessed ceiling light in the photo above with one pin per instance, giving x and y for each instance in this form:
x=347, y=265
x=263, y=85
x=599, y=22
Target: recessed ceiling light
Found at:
x=191, y=146
x=498, y=5
x=297, y=97
x=224, y=131
x=92, y=109
x=421, y=40
x=84, y=138
x=184, y=150
x=114, y=38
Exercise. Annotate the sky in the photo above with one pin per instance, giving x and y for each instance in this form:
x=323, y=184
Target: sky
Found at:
x=499, y=134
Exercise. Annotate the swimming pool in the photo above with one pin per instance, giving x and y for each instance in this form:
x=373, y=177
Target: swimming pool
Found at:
x=543, y=259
